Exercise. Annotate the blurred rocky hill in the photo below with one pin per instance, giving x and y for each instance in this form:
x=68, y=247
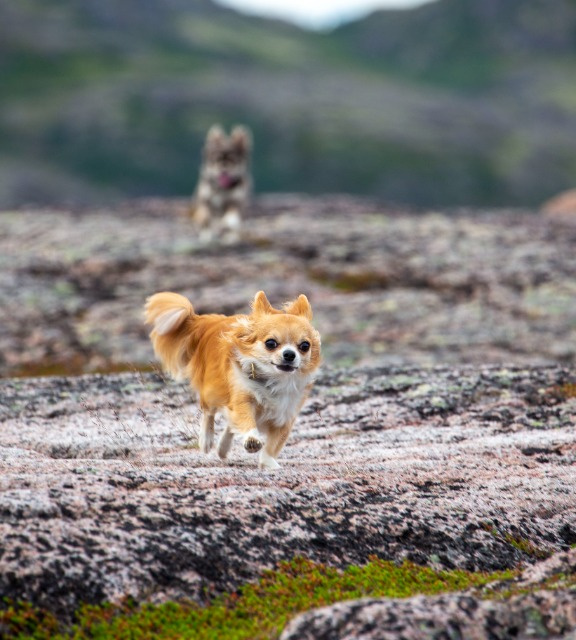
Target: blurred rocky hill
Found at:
x=389, y=287
x=456, y=102
x=466, y=43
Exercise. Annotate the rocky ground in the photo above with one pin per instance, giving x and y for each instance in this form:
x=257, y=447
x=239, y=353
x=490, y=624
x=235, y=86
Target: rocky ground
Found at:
x=388, y=287
x=104, y=492
x=441, y=429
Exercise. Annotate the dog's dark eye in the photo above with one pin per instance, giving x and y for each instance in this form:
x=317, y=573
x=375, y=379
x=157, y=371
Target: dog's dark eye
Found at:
x=304, y=346
x=271, y=344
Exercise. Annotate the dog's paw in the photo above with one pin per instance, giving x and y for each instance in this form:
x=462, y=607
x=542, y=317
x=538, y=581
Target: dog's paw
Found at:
x=252, y=442
x=253, y=445
x=267, y=462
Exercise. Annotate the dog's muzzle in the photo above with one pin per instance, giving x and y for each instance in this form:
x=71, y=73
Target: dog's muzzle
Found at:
x=288, y=363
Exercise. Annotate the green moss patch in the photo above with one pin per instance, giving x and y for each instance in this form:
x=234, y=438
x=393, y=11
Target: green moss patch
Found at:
x=255, y=611
x=351, y=280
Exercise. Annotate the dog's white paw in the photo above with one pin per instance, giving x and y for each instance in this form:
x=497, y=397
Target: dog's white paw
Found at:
x=267, y=462
x=231, y=220
x=252, y=442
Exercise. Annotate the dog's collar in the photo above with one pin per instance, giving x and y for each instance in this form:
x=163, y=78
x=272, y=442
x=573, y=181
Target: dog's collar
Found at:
x=255, y=375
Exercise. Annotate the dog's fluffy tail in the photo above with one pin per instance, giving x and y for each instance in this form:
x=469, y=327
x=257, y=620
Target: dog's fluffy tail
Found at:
x=171, y=315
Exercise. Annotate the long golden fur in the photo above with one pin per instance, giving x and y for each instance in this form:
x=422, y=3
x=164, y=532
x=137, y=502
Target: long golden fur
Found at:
x=257, y=369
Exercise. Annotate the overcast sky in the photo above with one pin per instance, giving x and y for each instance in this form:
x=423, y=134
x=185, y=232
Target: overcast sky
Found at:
x=316, y=14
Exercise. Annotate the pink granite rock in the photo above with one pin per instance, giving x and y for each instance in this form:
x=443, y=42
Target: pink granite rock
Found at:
x=104, y=493
x=388, y=287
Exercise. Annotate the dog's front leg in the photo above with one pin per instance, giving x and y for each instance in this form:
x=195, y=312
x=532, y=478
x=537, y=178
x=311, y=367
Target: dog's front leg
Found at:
x=201, y=214
x=203, y=220
x=243, y=421
x=275, y=442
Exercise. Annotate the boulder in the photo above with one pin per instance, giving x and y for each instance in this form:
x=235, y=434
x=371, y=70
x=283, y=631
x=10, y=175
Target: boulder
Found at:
x=562, y=207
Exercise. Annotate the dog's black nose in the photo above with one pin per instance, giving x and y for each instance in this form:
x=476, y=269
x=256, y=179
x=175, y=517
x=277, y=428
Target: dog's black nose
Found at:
x=289, y=355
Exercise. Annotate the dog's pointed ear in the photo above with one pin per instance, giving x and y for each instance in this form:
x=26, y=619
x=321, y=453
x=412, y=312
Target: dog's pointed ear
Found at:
x=260, y=304
x=241, y=138
x=299, y=307
x=215, y=134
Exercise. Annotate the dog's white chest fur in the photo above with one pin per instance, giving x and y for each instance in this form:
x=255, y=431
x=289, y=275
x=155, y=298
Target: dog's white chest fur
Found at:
x=279, y=396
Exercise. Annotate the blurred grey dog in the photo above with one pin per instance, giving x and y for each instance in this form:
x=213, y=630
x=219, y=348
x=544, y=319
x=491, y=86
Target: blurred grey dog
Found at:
x=225, y=184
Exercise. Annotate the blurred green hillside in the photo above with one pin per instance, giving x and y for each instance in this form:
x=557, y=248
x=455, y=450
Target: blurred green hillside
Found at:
x=458, y=102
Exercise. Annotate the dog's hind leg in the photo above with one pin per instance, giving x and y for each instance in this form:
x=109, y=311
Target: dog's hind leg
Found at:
x=225, y=442
x=206, y=439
